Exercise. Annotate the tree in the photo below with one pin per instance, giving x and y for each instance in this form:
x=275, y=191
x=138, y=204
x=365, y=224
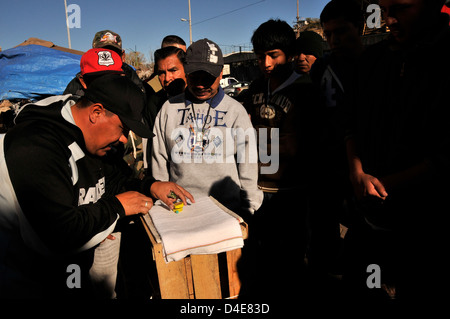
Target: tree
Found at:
x=135, y=59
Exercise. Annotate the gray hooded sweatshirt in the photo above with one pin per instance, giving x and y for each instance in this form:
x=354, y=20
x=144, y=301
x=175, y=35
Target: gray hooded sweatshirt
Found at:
x=209, y=148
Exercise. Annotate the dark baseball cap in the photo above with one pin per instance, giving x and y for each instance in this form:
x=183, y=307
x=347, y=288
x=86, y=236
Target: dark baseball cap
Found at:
x=122, y=97
x=204, y=55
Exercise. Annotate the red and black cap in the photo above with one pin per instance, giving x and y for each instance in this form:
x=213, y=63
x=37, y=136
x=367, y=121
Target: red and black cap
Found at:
x=97, y=61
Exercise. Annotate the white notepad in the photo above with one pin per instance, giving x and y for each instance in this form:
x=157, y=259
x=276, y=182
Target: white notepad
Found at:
x=201, y=228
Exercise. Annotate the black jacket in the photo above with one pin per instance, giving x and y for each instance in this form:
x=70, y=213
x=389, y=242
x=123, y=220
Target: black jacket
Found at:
x=62, y=201
x=293, y=109
x=400, y=115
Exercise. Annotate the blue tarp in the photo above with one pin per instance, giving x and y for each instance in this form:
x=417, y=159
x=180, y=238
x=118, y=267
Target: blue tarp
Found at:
x=34, y=71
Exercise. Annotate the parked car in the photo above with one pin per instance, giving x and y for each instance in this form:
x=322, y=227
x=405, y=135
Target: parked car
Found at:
x=227, y=81
x=236, y=88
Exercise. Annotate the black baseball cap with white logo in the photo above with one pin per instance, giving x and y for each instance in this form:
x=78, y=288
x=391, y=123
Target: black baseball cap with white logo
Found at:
x=122, y=97
x=204, y=55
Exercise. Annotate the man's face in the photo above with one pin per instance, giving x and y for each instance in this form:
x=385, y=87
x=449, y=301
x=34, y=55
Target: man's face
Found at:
x=169, y=70
x=107, y=131
x=342, y=37
x=304, y=62
x=203, y=85
x=271, y=62
x=403, y=17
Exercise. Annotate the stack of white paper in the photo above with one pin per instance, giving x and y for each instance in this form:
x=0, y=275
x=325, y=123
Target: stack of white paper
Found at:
x=201, y=228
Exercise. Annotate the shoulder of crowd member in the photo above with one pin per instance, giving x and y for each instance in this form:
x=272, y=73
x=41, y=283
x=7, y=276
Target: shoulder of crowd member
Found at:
x=243, y=97
x=149, y=91
x=74, y=86
x=304, y=79
x=258, y=83
x=154, y=104
x=180, y=98
x=317, y=69
x=372, y=52
x=256, y=86
x=307, y=95
x=159, y=96
x=372, y=56
x=131, y=73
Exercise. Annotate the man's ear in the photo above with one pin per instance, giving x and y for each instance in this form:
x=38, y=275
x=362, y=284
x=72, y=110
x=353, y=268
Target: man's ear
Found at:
x=95, y=112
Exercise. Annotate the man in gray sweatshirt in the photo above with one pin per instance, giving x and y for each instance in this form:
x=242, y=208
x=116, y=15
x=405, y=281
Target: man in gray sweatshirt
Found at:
x=205, y=140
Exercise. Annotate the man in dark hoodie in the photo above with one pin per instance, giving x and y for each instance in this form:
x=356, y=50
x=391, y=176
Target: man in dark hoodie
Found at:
x=282, y=108
x=60, y=195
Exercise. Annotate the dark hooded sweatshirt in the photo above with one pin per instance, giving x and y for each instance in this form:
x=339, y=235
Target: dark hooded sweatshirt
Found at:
x=57, y=201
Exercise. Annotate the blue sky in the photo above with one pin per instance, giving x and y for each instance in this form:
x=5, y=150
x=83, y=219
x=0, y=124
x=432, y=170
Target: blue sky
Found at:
x=143, y=23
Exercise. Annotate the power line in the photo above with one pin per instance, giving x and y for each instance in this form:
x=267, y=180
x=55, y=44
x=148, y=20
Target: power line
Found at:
x=221, y=15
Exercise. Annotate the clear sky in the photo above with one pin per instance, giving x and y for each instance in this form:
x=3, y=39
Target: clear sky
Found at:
x=142, y=24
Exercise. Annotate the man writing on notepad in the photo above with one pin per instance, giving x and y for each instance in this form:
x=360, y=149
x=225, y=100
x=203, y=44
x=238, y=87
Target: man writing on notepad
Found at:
x=60, y=195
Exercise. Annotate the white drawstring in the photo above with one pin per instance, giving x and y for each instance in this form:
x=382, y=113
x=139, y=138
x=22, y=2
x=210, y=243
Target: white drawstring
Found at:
x=131, y=135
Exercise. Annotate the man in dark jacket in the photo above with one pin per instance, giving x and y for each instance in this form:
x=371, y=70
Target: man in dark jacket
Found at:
x=60, y=195
x=398, y=150
x=281, y=106
x=169, y=63
x=332, y=74
x=109, y=40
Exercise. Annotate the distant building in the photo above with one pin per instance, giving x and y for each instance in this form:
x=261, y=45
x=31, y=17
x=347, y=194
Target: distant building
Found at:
x=241, y=65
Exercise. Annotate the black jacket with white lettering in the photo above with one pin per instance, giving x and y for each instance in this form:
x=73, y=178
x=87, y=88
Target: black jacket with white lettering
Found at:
x=65, y=194
x=291, y=108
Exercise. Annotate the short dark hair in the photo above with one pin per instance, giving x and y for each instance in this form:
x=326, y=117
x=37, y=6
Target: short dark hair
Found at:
x=172, y=39
x=274, y=34
x=83, y=102
x=165, y=52
x=345, y=9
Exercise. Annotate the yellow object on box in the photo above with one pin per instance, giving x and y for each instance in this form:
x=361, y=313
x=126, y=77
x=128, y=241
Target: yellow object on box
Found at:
x=178, y=207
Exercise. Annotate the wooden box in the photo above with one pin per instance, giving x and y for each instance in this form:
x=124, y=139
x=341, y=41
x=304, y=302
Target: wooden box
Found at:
x=211, y=276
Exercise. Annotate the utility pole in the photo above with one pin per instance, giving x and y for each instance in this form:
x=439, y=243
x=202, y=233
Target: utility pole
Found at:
x=67, y=25
x=190, y=22
x=298, y=22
